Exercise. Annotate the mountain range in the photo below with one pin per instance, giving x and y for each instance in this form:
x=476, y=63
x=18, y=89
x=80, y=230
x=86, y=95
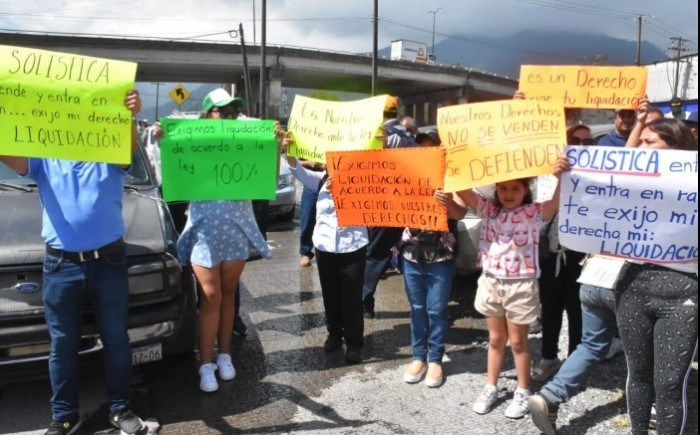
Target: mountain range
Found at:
x=504, y=55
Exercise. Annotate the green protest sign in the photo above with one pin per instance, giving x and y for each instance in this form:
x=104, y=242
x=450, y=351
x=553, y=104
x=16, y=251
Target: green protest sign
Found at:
x=64, y=106
x=208, y=159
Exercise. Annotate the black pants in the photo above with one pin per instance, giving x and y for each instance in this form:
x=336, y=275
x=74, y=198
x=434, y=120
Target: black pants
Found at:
x=657, y=315
x=341, y=277
x=559, y=293
x=381, y=240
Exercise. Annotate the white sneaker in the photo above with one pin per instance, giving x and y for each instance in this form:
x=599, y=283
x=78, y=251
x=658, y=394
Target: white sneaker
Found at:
x=225, y=366
x=518, y=406
x=486, y=400
x=615, y=349
x=207, y=378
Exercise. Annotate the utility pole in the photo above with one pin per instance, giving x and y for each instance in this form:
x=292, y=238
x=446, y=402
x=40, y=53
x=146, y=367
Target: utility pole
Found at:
x=262, y=109
x=246, y=72
x=677, y=46
x=640, y=18
x=375, y=43
x=434, y=12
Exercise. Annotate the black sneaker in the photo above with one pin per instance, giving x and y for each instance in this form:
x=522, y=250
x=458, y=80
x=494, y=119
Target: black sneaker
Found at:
x=543, y=413
x=333, y=343
x=368, y=312
x=128, y=422
x=353, y=355
x=64, y=427
x=239, y=327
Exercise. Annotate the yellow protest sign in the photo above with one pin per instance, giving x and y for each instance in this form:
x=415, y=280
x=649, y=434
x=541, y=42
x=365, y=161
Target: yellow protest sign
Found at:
x=64, y=105
x=592, y=87
x=388, y=187
x=500, y=140
x=318, y=126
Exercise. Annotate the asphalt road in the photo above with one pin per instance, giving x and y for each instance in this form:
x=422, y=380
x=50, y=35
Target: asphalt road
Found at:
x=286, y=384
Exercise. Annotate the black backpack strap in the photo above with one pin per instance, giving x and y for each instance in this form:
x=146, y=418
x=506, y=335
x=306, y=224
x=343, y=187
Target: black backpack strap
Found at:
x=320, y=183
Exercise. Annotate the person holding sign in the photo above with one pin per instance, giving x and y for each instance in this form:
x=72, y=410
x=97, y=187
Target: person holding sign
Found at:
x=85, y=255
x=340, y=256
x=216, y=240
x=428, y=264
x=508, y=293
x=657, y=315
x=645, y=114
x=559, y=290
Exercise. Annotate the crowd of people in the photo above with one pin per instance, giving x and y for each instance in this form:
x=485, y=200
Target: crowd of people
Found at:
x=651, y=310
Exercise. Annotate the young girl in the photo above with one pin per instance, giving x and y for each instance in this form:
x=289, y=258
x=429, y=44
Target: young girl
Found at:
x=508, y=294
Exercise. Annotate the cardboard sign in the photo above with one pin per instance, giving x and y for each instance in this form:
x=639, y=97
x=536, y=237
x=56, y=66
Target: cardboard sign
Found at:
x=318, y=126
x=500, y=140
x=388, y=188
x=64, y=106
x=632, y=203
x=592, y=87
x=208, y=159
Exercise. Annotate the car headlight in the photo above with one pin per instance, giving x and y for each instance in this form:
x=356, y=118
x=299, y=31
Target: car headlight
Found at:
x=150, y=277
x=284, y=180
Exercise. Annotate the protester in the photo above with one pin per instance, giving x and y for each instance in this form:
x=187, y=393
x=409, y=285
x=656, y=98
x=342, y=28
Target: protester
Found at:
x=657, y=315
x=382, y=239
x=307, y=215
x=340, y=257
x=216, y=240
x=645, y=114
x=428, y=259
x=507, y=292
x=624, y=120
x=85, y=259
x=691, y=120
x=559, y=290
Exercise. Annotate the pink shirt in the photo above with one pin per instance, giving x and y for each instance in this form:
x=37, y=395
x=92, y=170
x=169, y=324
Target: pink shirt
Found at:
x=509, y=239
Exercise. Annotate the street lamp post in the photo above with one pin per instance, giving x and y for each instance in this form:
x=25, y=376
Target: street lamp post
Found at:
x=434, y=12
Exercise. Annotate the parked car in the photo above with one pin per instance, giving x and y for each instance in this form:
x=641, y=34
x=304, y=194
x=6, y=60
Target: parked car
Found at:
x=600, y=130
x=284, y=204
x=162, y=302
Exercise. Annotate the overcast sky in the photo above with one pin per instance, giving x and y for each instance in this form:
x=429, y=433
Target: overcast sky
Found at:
x=346, y=25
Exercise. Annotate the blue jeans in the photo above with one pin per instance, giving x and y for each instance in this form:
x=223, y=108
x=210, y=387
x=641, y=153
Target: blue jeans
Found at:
x=307, y=221
x=428, y=288
x=599, y=327
x=67, y=286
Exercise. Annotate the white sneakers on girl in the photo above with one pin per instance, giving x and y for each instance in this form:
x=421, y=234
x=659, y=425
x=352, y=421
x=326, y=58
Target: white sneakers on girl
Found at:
x=225, y=366
x=207, y=378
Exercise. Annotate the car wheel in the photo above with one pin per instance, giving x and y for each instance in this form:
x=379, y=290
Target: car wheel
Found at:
x=289, y=215
x=185, y=339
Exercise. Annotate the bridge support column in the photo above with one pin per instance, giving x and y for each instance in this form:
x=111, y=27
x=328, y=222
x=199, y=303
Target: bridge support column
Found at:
x=274, y=91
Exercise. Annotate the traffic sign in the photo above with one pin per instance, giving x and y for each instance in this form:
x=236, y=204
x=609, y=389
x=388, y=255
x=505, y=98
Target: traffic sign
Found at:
x=179, y=94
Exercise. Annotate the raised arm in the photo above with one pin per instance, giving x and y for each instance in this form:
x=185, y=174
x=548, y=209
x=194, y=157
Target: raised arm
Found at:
x=551, y=207
x=469, y=198
x=17, y=164
x=642, y=112
x=133, y=103
x=456, y=208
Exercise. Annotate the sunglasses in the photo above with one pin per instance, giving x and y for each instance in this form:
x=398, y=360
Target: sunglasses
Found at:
x=581, y=141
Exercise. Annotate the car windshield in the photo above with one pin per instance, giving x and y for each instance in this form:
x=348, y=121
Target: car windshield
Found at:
x=138, y=175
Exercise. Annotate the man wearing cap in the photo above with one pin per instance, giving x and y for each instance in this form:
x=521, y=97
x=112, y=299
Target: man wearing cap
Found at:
x=624, y=121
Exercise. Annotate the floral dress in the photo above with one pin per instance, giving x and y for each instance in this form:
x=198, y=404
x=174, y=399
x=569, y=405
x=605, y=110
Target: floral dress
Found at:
x=218, y=231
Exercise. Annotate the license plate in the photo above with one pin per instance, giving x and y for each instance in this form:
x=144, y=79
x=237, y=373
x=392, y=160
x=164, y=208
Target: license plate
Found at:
x=144, y=354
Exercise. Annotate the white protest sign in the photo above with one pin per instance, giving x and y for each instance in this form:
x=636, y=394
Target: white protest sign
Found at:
x=632, y=203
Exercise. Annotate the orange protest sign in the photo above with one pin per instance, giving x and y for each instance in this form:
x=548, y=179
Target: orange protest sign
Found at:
x=389, y=187
x=500, y=140
x=593, y=87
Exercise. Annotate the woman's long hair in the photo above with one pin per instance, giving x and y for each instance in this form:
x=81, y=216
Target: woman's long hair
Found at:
x=675, y=133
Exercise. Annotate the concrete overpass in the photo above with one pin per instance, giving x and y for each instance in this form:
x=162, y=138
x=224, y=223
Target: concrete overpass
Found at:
x=422, y=88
